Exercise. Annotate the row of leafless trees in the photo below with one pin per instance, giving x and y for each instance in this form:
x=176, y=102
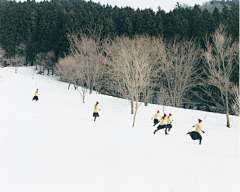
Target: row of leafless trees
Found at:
x=14, y=61
x=135, y=67
x=45, y=59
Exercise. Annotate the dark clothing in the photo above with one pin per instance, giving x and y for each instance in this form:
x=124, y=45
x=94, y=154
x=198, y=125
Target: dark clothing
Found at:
x=161, y=127
x=155, y=122
x=195, y=136
x=95, y=115
x=35, y=98
x=169, y=126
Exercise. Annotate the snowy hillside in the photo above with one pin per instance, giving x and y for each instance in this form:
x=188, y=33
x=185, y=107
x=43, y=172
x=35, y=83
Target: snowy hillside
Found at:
x=55, y=146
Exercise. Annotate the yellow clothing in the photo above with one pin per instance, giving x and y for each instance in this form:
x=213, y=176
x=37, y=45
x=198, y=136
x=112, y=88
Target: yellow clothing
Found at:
x=169, y=120
x=156, y=116
x=95, y=109
x=36, y=93
x=198, y=127
x=162, y=121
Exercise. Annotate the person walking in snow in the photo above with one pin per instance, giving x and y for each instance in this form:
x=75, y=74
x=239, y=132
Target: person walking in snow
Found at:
x=162, y=125
x=195, y=135
x=156, y=121
x=35, y=95
x=169, y=122
x=95, y=112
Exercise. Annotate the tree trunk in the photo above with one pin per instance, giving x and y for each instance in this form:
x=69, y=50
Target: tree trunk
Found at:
x=40, y=68
x=26, y=61
x=91, y=88
x=36, y=65
x=146, y=102
x=136, y=107
x=75, y=86
x=228, y=120
x=227, y=112
x=131, y=106
x=69, y=85
x=145, y=98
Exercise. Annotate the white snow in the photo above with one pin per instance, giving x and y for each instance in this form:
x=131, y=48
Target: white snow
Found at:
x=54, y=145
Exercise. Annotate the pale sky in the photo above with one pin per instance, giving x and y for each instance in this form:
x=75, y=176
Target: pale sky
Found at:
x=166, y=5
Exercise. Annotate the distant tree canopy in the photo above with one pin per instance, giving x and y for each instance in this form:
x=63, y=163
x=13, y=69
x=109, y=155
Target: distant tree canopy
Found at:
x=43, y=26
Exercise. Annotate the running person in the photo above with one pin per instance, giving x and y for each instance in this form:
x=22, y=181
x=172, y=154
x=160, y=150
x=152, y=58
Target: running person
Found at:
x=195, y=135
x=35, y=95
x=162, y=125
x=95, y=112
x=156, y=121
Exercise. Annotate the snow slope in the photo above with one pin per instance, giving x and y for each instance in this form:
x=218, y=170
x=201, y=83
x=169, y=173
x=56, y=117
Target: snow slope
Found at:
x=55, y=146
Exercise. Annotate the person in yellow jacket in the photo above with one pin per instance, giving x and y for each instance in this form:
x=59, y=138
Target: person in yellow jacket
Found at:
x=156, y=121
x=95, y=112
x=169, y=122
x=195, y=135
x=35, y=95
x=162, y=124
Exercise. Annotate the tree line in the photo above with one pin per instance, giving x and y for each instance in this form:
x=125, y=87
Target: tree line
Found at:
x=139, y=55
x=143, y=68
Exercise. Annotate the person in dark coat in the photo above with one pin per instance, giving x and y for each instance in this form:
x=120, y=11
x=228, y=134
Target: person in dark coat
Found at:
x=195, y=135
x=162, y=125
x=95, y=112
x=35, y=96
x=156, y=121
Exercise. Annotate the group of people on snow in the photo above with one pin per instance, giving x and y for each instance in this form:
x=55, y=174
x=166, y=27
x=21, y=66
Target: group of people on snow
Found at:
x=165, y=121
x=95, y=112
x=162, y=125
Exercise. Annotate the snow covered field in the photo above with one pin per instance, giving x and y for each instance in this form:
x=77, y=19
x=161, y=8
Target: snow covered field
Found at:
x=55, y=146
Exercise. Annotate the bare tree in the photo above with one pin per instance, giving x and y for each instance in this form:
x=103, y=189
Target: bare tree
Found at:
x=220, y=58
x=67, y=68
x=88, y=50
x=72, y=70
x=14, y=61
x=163, y=96
x=81, y=78
x=180, y=69
x=131, y=66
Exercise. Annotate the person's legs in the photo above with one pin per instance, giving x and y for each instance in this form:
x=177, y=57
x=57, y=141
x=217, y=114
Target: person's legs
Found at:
x=200, y=139
x=155, y=131
x=169, y=127
x=155, y=122
x=166, y=131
